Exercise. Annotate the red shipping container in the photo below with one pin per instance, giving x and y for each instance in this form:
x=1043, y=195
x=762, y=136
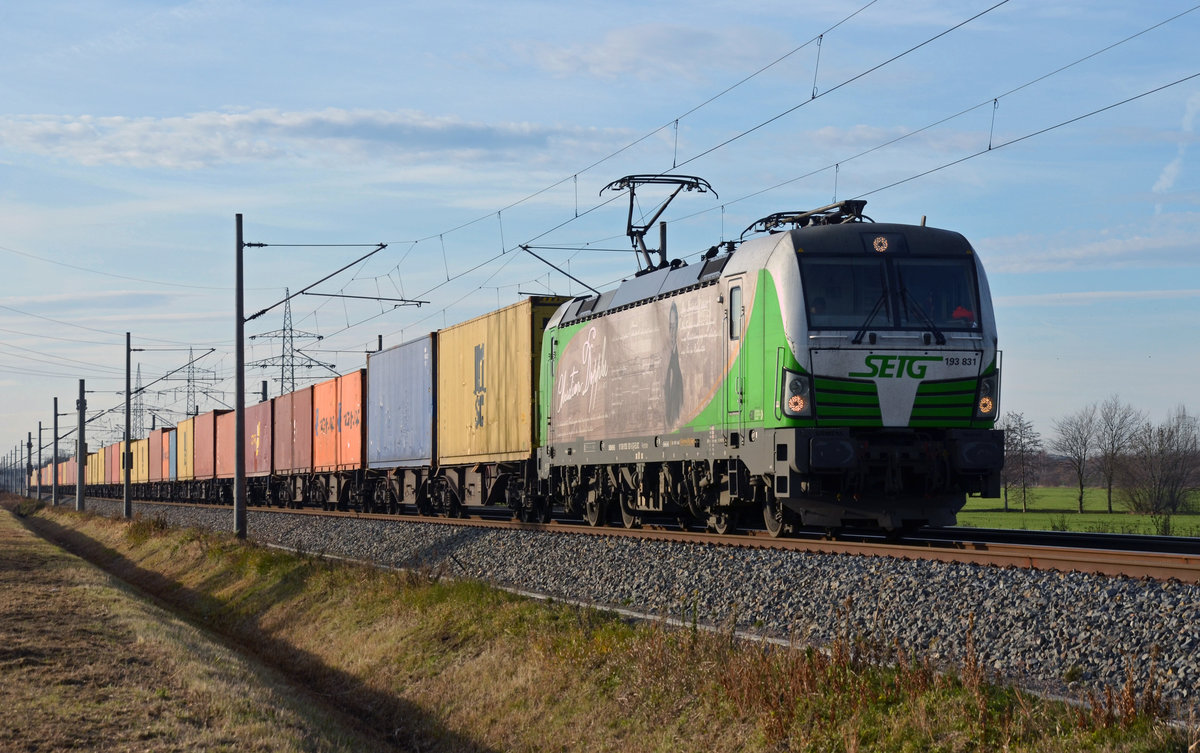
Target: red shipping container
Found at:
x=156, y=465
x=338, y=428
x=205, y=458
x=292, y=435
x=112, y=462
x=226, y=445
x=282, y=432
x=259, y=454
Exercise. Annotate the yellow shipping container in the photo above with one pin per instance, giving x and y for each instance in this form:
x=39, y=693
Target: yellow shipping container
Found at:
x=95, y=464
x=487, y=372
x=141, y=461
x=185, y=440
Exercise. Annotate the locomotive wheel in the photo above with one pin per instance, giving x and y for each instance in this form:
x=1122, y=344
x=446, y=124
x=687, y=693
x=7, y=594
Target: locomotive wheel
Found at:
x=724, y=522
x=629, y=518
x=773, y=514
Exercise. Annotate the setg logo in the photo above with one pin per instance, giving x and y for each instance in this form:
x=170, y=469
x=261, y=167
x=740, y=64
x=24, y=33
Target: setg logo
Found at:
x=896, y=366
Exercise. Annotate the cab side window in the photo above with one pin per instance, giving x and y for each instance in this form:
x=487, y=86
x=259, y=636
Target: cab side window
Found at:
x=736, y=314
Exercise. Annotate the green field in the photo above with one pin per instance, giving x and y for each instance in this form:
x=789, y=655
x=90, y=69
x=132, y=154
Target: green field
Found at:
x=1056, y=509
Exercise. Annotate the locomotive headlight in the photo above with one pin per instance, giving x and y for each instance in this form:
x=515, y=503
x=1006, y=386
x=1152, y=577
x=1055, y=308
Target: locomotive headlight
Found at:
x=797, y=394
x=988, y=402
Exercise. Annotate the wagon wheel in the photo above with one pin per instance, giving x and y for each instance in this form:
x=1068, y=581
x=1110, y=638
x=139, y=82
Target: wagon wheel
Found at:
x=319, y=493
x=536, y=510
x=595, y=509
x=424, y=505
x=382, y=500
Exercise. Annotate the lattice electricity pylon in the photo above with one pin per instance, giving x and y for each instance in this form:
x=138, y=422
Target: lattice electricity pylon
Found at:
x=138, y=419
x=194, y=377
x=286, y=360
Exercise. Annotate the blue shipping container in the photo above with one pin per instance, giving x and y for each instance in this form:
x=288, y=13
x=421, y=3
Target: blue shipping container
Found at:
x=400, y=399
x=174, y=453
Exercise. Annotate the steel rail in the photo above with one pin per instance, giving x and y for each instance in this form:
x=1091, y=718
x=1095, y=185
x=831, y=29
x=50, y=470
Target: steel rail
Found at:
x=1057, y=556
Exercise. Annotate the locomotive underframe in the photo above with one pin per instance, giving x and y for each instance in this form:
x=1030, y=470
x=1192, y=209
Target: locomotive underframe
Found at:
x=892, y=479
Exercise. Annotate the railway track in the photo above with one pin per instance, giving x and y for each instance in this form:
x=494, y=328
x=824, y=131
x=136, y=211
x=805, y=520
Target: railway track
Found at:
x=1157, y=557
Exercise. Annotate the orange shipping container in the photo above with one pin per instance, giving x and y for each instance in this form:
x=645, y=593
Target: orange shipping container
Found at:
x=338, y=428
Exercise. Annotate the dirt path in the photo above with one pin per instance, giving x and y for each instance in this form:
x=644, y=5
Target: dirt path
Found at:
x=87, y=665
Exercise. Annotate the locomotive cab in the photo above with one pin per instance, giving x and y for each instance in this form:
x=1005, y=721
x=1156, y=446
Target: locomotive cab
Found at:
x=894, y=391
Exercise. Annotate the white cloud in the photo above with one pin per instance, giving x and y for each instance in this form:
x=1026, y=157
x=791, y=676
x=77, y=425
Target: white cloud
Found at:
x=650, y=52
x=1161, y=241
x=269, y=135
x=1092, y=296
x=1170, y=173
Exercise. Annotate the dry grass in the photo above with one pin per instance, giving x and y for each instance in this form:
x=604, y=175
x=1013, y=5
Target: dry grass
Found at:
x=86, y=665
x=435, y=665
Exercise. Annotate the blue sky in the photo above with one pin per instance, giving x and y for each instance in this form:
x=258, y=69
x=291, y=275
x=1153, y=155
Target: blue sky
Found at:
x=131, y=133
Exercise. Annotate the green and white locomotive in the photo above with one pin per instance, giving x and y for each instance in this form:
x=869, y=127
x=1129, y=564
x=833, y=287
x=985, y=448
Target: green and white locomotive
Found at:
x=826, y=370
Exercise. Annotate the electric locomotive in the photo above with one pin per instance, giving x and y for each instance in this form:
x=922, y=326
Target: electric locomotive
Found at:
x=825, y=371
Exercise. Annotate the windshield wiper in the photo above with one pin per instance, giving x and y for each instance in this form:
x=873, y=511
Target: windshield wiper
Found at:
x=858, y=336
x=937, y=333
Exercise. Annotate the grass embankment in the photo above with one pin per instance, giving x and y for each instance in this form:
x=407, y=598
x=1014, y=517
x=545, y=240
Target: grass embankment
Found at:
x=451, y=666
x=1056, y=508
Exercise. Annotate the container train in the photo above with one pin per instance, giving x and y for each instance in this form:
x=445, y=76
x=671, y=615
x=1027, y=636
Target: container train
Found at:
x=825, y=371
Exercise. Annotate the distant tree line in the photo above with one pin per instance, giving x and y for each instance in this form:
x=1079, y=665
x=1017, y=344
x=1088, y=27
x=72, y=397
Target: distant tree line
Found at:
x=1148, y=467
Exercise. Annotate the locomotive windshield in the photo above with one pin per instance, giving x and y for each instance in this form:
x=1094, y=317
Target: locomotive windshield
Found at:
x=910, y=292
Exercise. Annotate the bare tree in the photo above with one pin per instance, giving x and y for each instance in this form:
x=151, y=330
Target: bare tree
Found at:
x=1075, y=440
x=1163, y=467
x=1116, y=424
x=1022, y=456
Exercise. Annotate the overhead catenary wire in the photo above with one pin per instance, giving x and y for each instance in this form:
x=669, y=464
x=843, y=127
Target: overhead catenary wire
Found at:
x=574, y=177
x=834, y=165
x=505, y=250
